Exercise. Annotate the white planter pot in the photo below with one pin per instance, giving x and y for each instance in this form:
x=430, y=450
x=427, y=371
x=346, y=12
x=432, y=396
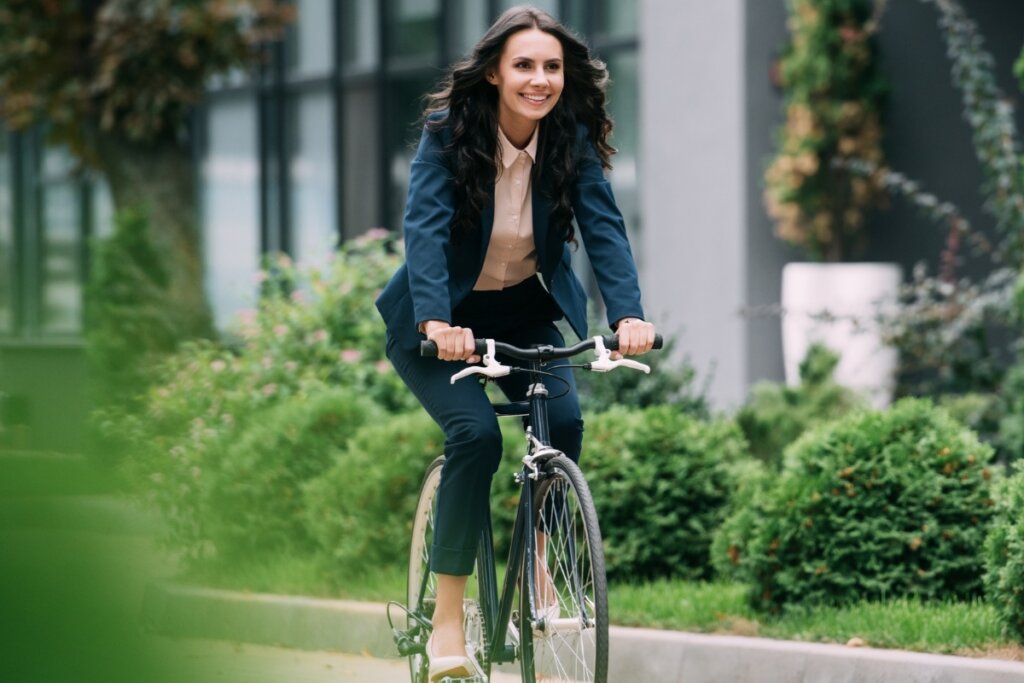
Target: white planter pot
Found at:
x=837, y=304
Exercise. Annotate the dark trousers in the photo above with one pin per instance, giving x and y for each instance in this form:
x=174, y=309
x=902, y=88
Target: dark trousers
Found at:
x=521, y=315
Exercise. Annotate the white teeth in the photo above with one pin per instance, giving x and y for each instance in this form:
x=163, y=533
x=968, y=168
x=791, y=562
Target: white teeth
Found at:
x=536, y=98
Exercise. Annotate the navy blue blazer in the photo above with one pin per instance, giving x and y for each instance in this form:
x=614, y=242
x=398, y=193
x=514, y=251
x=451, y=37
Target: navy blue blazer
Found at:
x=438, y=274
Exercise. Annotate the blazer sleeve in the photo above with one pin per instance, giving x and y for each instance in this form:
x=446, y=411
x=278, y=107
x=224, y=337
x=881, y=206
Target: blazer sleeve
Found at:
x=429, y=208
x=604, y=236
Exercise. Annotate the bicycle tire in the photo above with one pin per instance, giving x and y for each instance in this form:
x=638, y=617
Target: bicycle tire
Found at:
x=419, y=567
x=571, y=642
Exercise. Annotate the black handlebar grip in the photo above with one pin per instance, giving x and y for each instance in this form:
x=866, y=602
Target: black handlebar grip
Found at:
x=428, y=349
x=611, y=342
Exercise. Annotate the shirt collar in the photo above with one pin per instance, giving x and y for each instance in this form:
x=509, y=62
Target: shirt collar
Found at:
x=509, y=152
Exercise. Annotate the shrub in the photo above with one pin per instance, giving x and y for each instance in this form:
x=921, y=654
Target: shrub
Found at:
x=253, y=496
x=310, y=329
x=360, y=510
x=129, y=319
x=834, y=94
x=1004, y=555
x=661, y=482
x=874, y=506
x=777, y=414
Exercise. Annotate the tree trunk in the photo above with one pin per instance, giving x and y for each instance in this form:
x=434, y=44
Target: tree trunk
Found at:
x=159, y=179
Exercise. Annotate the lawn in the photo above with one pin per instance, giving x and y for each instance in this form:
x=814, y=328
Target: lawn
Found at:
x=953, y=628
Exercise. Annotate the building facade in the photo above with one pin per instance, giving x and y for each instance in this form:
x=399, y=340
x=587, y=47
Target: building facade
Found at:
x=314, y=147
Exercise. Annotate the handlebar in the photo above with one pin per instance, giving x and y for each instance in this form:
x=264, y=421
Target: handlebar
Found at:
x=544, y=352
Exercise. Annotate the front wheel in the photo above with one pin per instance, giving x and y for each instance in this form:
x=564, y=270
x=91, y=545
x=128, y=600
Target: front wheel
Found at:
x=567, y=596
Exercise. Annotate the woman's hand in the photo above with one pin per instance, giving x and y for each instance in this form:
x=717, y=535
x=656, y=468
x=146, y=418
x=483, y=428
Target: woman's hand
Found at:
x=453, y=343
x=636, y=336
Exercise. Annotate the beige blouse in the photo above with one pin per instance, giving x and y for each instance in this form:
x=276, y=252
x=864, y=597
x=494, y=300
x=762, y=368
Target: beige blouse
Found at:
x=511, y=255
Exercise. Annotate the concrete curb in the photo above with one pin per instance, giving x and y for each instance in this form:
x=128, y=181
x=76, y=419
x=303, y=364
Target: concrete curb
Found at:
x=636, y=654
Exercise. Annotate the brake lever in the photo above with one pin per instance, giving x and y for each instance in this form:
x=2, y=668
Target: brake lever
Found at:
x=491, y=367
x=604, y=362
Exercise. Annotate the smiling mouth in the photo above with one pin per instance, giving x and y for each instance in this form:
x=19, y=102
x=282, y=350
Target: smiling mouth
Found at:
x=535, y=99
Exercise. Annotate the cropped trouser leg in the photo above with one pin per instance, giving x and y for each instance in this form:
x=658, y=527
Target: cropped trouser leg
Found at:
x=473, y=439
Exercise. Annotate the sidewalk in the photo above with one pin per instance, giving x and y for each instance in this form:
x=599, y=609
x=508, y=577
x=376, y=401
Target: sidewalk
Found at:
x=636, y=654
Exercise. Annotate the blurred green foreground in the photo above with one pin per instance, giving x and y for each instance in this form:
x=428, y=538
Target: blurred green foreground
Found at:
x=74, y=563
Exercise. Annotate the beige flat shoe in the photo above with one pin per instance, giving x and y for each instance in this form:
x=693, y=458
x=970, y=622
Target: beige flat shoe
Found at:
x=452, y=667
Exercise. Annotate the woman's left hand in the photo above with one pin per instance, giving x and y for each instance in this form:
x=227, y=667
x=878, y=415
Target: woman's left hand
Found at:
x=636, y=336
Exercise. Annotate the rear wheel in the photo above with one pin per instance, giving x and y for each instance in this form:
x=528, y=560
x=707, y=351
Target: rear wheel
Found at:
x=567, y=594
x=421, y=591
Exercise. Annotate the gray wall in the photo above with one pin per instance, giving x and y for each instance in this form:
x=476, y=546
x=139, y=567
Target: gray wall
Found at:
x=708, y=118
x=693, y=193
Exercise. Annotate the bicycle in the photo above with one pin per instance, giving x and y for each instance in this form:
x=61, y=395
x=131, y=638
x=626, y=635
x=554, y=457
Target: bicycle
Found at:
x=555, y=571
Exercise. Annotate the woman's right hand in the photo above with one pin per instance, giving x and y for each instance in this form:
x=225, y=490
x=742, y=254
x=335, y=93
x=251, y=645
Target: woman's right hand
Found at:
x=453, y=343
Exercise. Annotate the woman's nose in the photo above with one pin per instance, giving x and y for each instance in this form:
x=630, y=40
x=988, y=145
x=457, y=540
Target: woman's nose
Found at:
x=539, y=77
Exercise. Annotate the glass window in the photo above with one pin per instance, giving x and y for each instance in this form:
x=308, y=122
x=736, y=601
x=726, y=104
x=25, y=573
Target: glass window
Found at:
x=361, y=130
x=406, y=106
x=230, y=206
x=623, y=105
x=61, y=244
x=311, y=174
x=309, y=42
x=549, y=6
x=468, y=19
x=413, y=30
x=617, y=18
x=360, y=21
x=6, y=238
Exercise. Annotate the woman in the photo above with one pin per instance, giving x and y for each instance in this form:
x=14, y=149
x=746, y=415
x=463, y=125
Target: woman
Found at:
x=514, y=147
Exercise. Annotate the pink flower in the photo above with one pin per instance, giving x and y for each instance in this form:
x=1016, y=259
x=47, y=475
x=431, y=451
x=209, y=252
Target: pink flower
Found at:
x=247, y=316
x=280, y=330
x=351, y=355
x=218, y=365
x=291, y=366
x=377, y=233
x=269, y=389
x=382, y=366
x=319, y=336
x=298, y=296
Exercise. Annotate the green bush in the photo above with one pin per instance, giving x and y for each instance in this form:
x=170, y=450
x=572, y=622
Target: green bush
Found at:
x=662, y=482
x=874, y=506
x=777, y=414
x=253, y=499
x=129, y=320
x=1004, y=555
x=360, y=510
x=309, y=329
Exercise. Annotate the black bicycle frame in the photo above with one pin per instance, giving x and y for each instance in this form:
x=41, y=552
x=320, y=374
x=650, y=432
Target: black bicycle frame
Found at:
x=497, y=615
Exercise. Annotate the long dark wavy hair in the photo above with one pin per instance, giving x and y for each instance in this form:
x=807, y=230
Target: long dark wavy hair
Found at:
x=471, y=103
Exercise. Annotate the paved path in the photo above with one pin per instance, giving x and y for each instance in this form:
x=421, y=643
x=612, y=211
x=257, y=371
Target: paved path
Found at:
x=205, y=661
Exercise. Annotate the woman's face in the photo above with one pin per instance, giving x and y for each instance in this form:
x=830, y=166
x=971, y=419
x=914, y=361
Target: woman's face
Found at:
x=529, y=78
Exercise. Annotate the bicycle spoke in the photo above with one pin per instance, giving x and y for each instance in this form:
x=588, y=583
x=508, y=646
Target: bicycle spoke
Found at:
x=573, y=643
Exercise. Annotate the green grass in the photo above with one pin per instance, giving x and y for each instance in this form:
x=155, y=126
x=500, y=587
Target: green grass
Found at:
x=297, y=574
x=903, y=623
x=677, y=605
x=721, y=608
